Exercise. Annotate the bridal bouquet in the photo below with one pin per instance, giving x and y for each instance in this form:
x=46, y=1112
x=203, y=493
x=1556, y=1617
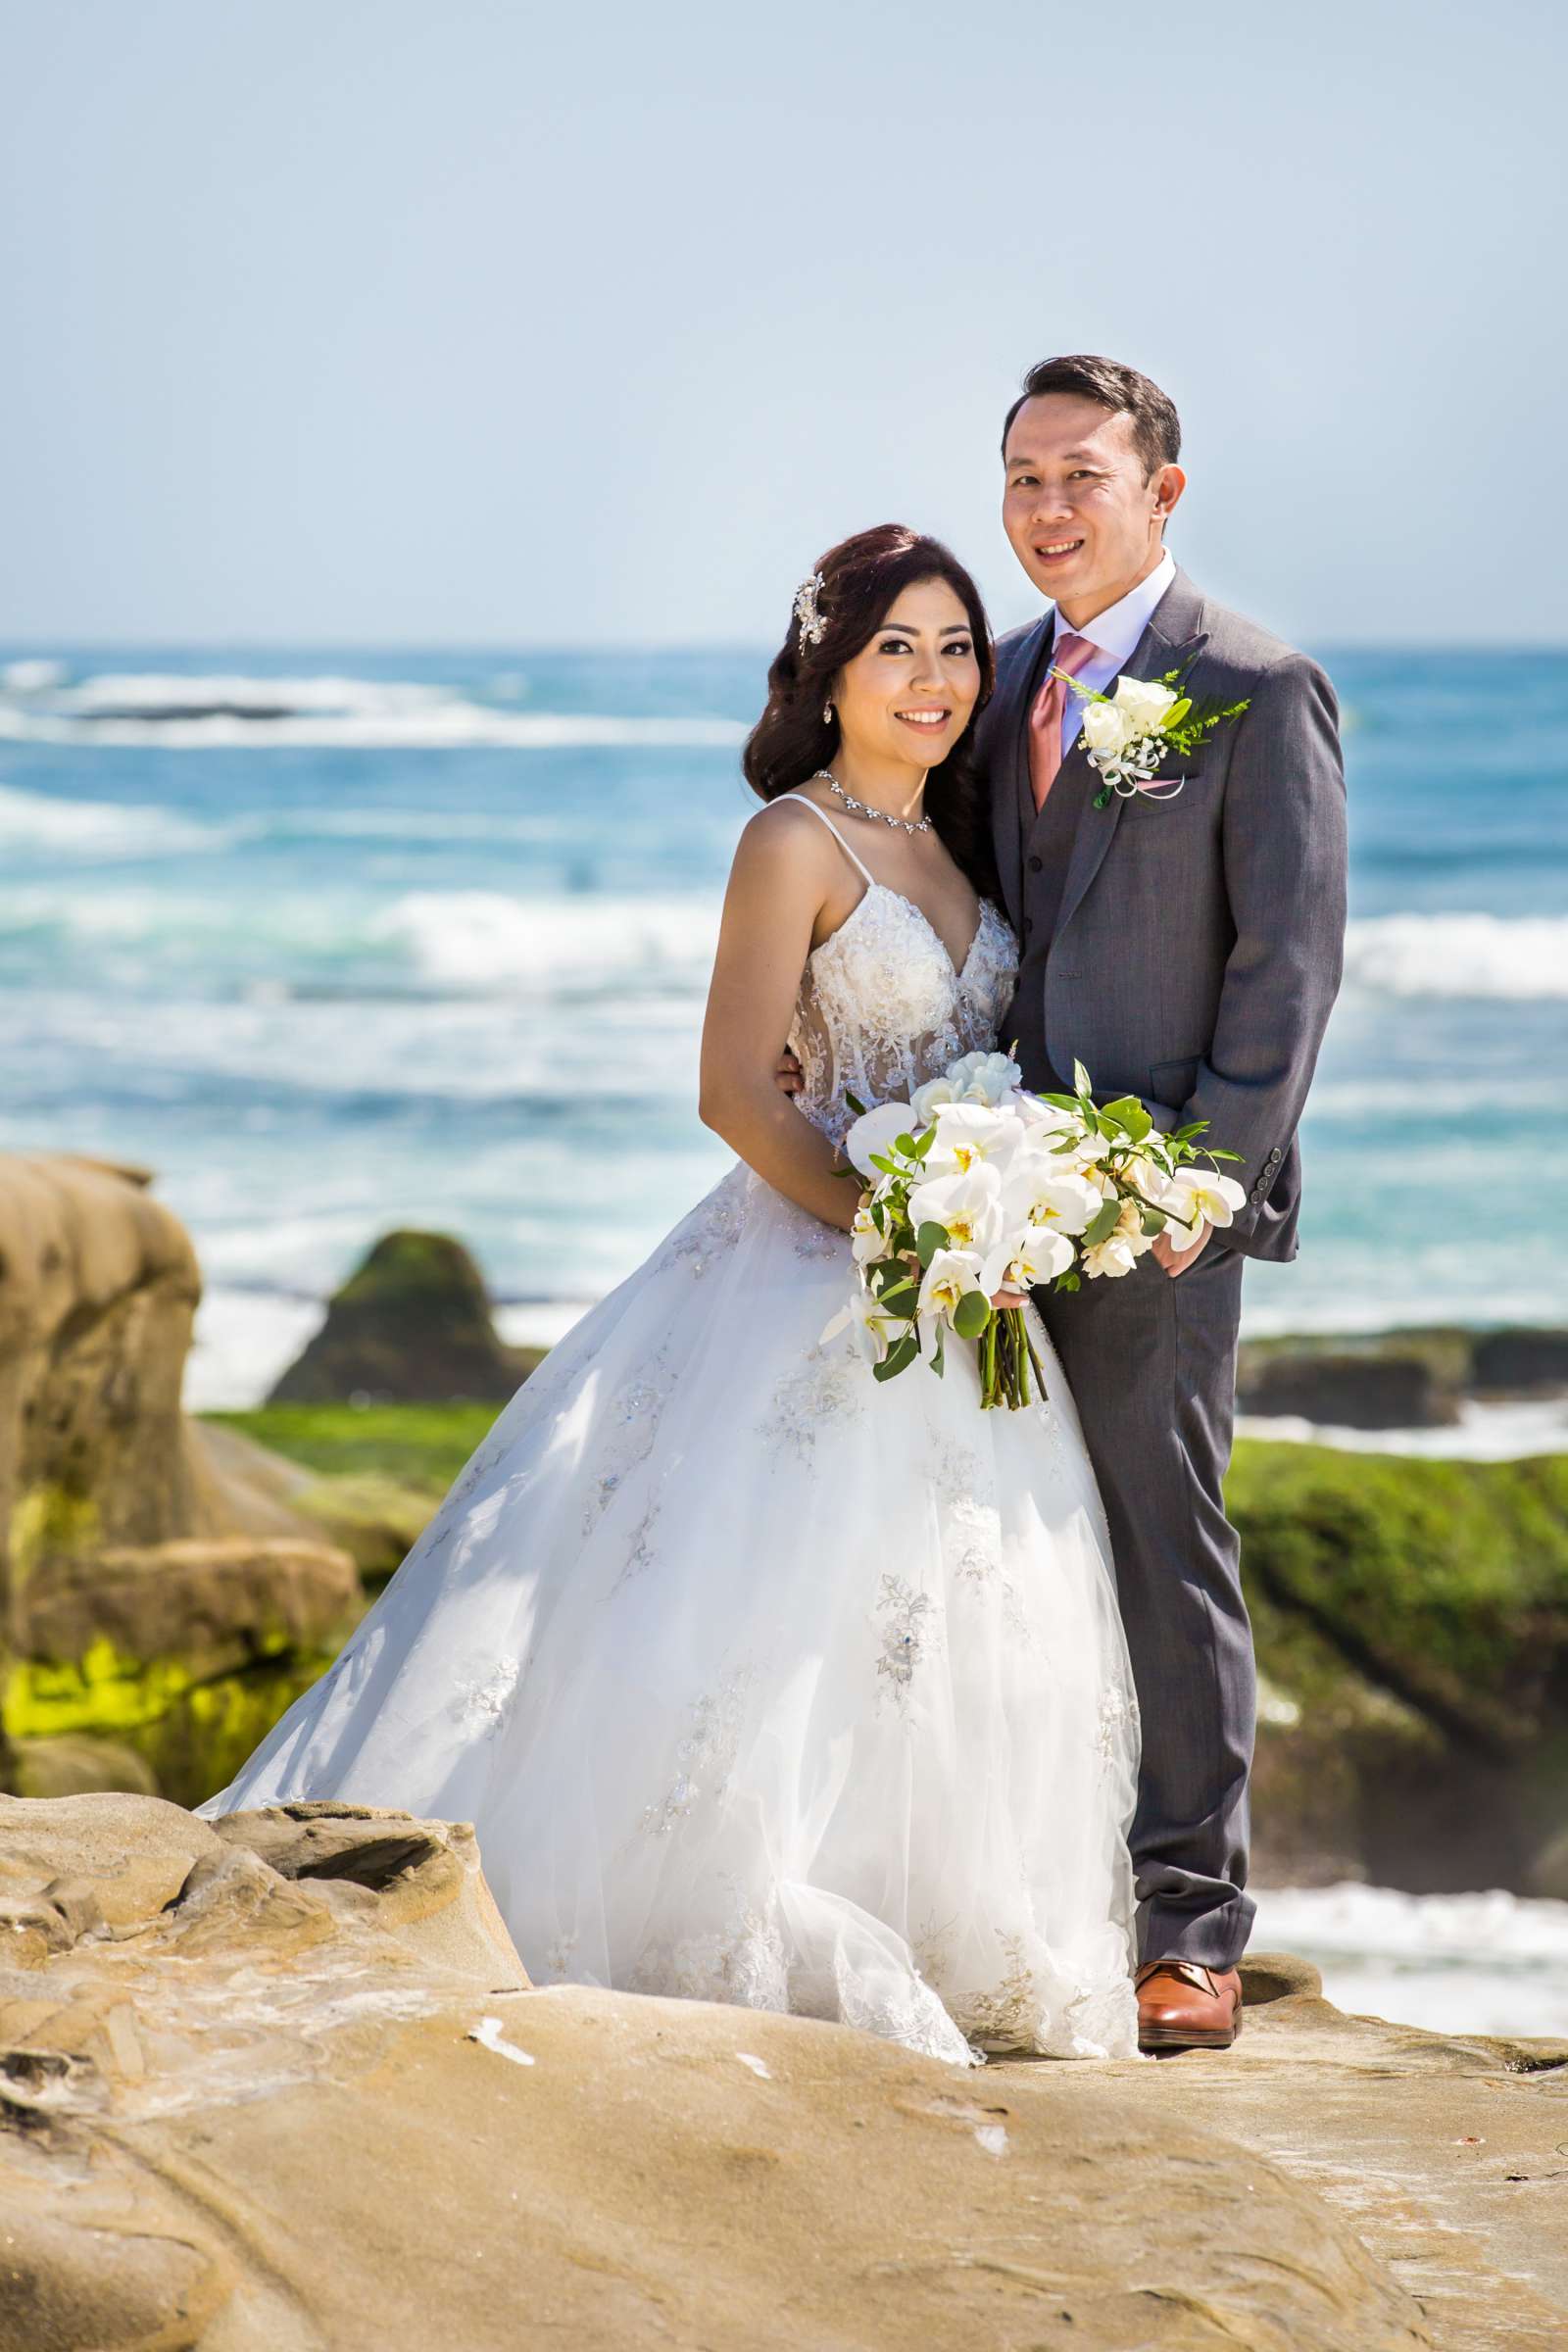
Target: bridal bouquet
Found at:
x=974, y=1187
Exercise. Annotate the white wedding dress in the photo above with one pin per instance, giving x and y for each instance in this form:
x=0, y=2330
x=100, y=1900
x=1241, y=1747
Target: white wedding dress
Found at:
x=760, y=1681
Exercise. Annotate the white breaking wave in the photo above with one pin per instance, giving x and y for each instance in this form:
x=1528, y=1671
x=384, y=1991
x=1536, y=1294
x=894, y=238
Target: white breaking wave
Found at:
x=215, y=711
x=480, y=938
x=1519, y=957
x=106, y=829
x=1487, y=1963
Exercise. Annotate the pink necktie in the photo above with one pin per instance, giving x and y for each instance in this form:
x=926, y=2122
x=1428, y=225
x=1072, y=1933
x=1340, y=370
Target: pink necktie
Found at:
x=1070, y=653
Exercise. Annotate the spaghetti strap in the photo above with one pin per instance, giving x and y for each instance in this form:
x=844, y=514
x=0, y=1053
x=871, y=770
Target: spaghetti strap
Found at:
x=869, y=879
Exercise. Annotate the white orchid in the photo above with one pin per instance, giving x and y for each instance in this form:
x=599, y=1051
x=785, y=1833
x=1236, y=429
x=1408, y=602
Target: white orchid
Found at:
x=866, y=1242
x=1042, y=1119
x=876, y=1130
x=1035, y=1254
x=967, y=1203
x=1040, y=1190
x=875, y=1327
x=967, y=1134
x=1196, y=1198
x=949, y=1277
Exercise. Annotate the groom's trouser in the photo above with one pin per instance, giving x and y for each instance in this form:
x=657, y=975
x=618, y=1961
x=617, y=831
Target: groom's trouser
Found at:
x=1151, y=1361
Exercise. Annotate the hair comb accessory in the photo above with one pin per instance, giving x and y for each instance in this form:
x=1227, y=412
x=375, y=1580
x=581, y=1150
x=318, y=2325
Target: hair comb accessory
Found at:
x=811, y=619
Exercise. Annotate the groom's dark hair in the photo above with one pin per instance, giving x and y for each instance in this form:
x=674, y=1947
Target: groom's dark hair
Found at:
x=1156, y=428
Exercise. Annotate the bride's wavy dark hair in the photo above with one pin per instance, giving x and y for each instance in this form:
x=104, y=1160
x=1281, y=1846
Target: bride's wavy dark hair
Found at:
x=861, y=579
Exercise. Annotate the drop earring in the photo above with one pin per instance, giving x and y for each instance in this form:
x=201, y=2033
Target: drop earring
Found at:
x=827, y=715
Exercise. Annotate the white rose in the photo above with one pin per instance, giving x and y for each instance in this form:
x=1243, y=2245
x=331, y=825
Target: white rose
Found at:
x=1113, y=1258
x=926, y=1100
x=1144, y=704
x=1105, y=727
x=988, y=1078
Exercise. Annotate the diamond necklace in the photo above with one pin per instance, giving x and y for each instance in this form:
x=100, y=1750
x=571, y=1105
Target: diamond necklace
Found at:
x=859, y=809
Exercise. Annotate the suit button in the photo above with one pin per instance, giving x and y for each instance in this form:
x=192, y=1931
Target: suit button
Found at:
x=1274, y=1156
x=1036, y=865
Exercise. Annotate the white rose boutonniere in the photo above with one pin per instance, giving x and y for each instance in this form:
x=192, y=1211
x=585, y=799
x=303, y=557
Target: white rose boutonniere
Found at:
x=1129, y=732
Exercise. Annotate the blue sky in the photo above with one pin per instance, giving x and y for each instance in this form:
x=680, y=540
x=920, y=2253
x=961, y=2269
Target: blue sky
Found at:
x=474, y=324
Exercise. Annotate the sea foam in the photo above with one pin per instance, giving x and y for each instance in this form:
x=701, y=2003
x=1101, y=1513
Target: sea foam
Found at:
x=215, y=711
x=1519, y=957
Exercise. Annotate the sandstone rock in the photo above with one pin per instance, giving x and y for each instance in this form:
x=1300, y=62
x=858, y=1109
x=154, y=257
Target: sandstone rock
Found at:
x=136, y=1569
x=75, y=1763
x=292, y=2090
x=411, y=1323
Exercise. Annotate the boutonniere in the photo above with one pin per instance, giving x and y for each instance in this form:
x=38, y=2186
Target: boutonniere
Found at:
x=1129, y=733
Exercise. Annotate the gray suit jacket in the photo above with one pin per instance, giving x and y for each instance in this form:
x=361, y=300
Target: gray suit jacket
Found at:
x=1199, y=942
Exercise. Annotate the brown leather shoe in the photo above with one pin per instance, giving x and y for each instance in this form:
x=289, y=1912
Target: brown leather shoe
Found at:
x=1183, y=2005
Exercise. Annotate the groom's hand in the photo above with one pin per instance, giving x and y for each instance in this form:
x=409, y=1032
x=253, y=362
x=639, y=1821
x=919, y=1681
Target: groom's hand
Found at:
x=1176, y=1261
x=787, y=1076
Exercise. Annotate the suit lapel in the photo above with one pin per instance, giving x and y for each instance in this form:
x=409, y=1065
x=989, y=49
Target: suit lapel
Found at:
x=1010, y=769
x=1174, y=635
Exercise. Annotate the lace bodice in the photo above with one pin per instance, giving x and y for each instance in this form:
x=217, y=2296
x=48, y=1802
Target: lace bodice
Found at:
x=881, y=1008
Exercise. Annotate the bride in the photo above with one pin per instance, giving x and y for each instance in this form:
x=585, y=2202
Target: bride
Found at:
x=762, y=1681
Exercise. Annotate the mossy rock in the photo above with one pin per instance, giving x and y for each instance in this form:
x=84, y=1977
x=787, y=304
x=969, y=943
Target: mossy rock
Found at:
x=412, y=1324
x=1417, y=1613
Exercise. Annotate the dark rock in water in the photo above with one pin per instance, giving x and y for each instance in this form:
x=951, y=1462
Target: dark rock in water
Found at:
x=1523, y=1359
x=1348, y=1391
x=411, y=1326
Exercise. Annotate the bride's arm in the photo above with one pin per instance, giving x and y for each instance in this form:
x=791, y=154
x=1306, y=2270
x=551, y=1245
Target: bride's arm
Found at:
x=780, y=884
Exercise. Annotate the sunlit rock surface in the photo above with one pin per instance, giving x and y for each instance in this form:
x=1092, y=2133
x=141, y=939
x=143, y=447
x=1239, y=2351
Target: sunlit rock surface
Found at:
x=279, y=2082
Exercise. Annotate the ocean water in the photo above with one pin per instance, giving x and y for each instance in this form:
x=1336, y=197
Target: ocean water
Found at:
x=340, y=944
x=335, y=944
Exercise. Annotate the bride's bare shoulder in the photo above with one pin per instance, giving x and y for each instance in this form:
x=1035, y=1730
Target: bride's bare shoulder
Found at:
x=785, y=846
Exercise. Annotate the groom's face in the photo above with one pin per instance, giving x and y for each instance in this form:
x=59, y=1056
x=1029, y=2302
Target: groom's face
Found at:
x=1084, y=521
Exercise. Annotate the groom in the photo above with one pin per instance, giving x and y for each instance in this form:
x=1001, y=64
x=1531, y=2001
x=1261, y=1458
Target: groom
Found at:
x=1186, y=950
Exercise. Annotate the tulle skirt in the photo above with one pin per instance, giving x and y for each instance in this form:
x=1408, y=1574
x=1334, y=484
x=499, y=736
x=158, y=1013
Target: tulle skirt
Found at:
x=762, y=1681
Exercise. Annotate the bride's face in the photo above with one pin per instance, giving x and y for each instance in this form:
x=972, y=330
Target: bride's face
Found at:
x=909, y=692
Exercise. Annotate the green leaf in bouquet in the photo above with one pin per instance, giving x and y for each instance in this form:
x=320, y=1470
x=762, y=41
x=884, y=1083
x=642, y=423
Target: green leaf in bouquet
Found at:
x=1062, y=1149
x=1061, y=1101
x=889, y=1167
x=1068, y=1281
x=931, y=1237
x=924, y=1144
x=855, y=1104
x=1080, y=1079
x=938, y=1359
x=904, y=1144
x=971, y=1314
x=1219, y=1151
x=1100, y=1227
x=1177, y=712
x=1153, y=1221
x=899, y=1290
x=898, y=1357
x=879, y=1215
x=1131, y=1115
